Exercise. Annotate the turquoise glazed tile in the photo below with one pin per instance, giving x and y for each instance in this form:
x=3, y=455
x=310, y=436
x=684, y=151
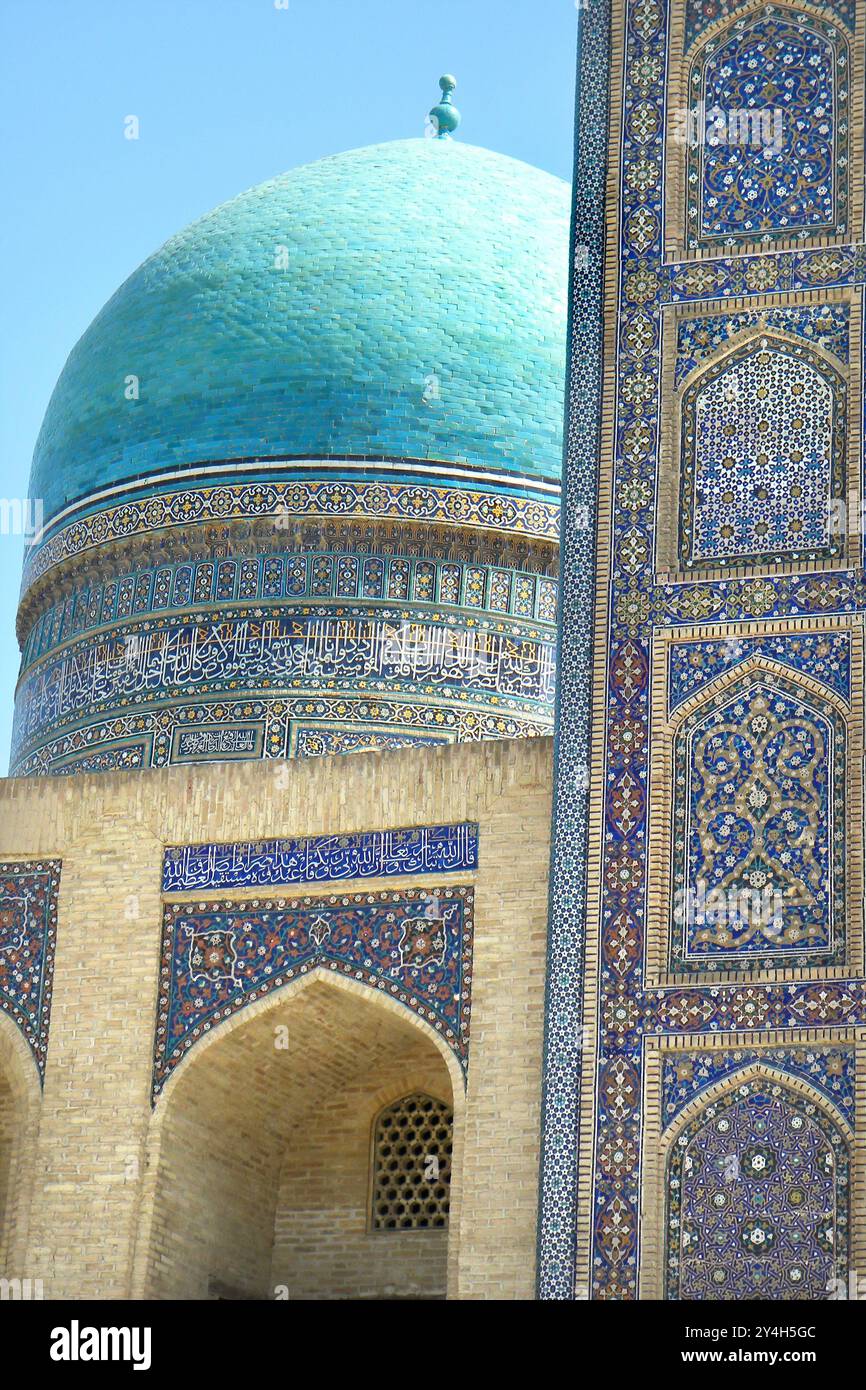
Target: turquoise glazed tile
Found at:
x=401, y=301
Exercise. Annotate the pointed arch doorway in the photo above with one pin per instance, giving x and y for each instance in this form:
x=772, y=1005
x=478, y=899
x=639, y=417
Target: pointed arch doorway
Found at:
x=262, y=1163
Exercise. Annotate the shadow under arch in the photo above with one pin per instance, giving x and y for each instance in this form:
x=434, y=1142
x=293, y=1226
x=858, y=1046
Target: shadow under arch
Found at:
x=20, y=1108
x=727, y=1246
x=257, y=1181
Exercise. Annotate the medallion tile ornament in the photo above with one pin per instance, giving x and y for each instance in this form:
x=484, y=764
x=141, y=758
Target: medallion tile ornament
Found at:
x=150, y=739
x=721, y=279
x=413, y=944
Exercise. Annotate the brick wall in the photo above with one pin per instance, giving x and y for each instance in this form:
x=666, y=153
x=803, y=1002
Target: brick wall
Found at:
x=7, y=1129
x=221, y=1189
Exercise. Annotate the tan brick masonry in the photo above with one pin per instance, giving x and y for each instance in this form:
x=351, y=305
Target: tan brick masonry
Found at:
x=252, y=1171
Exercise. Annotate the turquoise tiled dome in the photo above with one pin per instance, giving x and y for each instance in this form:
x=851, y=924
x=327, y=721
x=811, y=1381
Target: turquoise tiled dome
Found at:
x=404, y=301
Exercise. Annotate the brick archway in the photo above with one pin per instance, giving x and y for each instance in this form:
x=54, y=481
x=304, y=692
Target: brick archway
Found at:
x=262, y=1140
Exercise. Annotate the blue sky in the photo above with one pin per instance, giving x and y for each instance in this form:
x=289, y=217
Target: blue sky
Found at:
x=227, y=92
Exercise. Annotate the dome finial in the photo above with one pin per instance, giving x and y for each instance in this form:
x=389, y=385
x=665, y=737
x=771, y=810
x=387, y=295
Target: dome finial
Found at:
x=445, y=116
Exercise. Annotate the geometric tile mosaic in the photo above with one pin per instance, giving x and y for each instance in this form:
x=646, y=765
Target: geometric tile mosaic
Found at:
x=290, y=576
x=563, y=1055
x=413, y=944
x=758, y=1199
x=763, y=456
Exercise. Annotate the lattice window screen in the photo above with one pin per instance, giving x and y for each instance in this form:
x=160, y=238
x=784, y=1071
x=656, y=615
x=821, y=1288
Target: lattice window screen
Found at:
x=412, y=1165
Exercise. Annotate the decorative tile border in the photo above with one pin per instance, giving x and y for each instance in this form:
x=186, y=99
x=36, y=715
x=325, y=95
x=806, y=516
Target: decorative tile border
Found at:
x=570, y=849
x=761, y=274
x=732, y=1009
x=415, y=945
x=28, y=931
x=503, y=512
x=590, y=1229
x=801, y=1230
x=149, y=738
x=427, y=849
x=793, y=594
x=150, y=665
x=831, y=1069
x=319, y=576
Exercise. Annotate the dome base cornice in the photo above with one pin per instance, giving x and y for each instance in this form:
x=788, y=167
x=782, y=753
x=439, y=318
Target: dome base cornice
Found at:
x=489, y=515
x=206, y=541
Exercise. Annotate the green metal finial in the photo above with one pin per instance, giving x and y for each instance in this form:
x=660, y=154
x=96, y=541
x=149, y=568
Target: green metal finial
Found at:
x=445, y=116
